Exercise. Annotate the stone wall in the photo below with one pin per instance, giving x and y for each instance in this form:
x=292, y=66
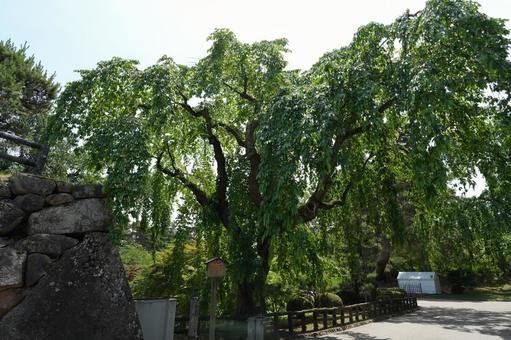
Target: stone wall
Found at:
x=60, y=276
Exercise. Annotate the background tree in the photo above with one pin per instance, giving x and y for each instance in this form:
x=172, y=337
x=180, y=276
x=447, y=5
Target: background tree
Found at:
x=256, y=153
x=26, y=96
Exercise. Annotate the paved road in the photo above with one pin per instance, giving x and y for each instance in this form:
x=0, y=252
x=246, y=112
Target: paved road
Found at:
x=439, y=320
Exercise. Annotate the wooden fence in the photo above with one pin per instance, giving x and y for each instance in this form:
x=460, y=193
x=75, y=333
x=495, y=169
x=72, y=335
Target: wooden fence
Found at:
x=35, y=165
x=310, y=320
x=316, y=319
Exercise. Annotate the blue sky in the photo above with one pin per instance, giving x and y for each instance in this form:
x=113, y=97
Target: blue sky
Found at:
x=66, y=35
x=74, y=34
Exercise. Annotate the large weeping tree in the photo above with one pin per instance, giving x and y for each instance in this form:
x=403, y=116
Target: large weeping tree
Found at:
x=259, y=152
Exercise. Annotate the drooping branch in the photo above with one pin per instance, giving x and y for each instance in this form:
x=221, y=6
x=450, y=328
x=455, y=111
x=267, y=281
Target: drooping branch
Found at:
x=342, y=200
x=315, y=202
x=310, y=209
x=201, y=196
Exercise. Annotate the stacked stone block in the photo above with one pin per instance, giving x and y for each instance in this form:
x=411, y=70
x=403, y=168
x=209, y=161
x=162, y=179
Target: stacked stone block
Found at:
x=55, y=254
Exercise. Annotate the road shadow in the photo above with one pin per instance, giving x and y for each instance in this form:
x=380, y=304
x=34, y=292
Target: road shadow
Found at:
x=355, y=335
x=461, y=320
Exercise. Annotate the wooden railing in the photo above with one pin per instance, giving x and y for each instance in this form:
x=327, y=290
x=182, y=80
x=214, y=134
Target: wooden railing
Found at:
x=316, y=319
x=36, y=165
x=309, y=320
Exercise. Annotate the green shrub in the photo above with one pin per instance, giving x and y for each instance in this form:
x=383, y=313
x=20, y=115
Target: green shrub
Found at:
x=457, y=289
x=329, y=300
x=350, y=296
x=461, y=277
x=300, y=303
x=368, y=291
x=385, y=294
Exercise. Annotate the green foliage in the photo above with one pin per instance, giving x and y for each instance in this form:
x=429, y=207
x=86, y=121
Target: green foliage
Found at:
x=26, y=97
x=27, y=91
x=384, y=294
x=368, y=291
x=302, y=174
x=136, y=261
x=177, y=271
x=350, y=296
x=300, y=303
x=329, y=300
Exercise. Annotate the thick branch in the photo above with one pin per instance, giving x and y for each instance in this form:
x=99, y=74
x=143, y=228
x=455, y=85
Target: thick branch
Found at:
x=199, y=194
x=309, y=210
x=249, y=143
x=255, y=161
x=235, y=133
x=243, y=94
x=387, y=105
x=222, y=180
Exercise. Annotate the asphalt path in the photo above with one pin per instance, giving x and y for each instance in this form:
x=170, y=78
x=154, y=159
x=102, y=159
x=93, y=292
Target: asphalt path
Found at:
x=438, y=320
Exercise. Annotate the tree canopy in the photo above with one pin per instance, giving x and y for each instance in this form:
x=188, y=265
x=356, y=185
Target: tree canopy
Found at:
x=26, y=96
x=260, y=160
x=27, y=90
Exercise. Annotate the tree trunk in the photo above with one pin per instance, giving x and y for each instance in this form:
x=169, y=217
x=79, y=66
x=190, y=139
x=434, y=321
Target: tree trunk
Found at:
x=246, y=304
x=252, y=293
x=383, y=258
x=263, y=250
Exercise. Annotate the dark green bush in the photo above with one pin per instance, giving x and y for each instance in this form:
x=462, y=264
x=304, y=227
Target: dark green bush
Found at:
x=329, y=300
x=300, y=303
x=457, y=289
x=461, y=277
x=350, y=296
x=384, y=294
x=368, y=291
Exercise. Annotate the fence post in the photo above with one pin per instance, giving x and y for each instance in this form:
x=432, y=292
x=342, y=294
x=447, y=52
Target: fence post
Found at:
x=193, y=326
x=304, y=324
x=255, y=328
x=251, y=328
x=315, y=320
x=325, y=319
x=343, y=321
x=290, y=323
x=334, y=317
x=350, y=311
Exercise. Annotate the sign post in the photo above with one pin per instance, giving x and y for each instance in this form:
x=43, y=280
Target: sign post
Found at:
x=215, y=270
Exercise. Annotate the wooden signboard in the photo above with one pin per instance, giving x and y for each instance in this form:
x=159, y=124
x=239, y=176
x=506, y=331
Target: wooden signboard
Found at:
x=215, y=268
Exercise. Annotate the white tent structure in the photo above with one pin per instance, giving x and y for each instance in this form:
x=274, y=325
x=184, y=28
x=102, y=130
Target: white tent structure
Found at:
x=419, y=282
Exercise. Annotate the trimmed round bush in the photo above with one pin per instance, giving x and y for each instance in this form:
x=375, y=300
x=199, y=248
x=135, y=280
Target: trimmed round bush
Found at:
x=390, y=293
x=300, y=303
x=330, y=300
